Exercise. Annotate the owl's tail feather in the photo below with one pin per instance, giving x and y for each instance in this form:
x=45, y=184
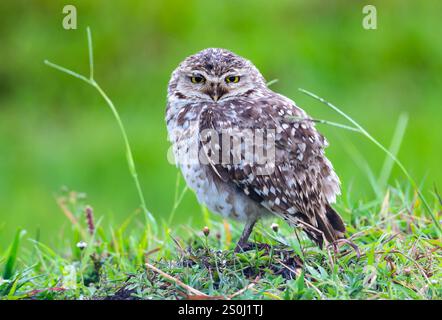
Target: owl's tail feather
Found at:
x=335, y=220
x=331, y=227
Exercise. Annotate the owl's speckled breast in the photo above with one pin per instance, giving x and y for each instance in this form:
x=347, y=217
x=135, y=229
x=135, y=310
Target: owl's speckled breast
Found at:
x=219, y=197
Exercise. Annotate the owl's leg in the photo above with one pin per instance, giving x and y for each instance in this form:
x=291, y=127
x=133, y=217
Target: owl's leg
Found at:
x=242, y=243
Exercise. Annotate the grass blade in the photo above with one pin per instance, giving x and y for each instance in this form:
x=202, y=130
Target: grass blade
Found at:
x=11, y=259
x=394, y=149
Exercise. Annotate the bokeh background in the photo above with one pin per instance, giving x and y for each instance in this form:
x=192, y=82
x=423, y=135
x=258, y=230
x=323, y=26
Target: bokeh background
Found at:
x=56, y=131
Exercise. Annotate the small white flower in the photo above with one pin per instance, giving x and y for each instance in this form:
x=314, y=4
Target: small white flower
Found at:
x=81, y=245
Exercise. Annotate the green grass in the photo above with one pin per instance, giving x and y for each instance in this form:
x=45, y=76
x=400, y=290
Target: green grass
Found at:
x=400, y=258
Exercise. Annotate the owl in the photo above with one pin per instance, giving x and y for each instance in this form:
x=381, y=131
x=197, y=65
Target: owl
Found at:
x=248, y=152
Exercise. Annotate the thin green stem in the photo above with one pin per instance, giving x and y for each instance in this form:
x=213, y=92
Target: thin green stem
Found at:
x=321, y=121
x=272, y=82
x=129, y=156
x=91, y=53
x=379, y=145
x=177, y=202
x=65, y=70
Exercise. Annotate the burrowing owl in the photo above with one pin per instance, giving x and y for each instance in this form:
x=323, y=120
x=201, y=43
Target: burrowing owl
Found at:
x=214, y=97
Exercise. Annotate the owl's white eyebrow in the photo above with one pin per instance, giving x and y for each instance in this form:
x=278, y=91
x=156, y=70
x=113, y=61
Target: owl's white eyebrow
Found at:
x=234, y=73
x=196, y=73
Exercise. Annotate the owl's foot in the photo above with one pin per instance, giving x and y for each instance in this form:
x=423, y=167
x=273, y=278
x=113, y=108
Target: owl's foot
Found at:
x=242, y=243
x=353, y=245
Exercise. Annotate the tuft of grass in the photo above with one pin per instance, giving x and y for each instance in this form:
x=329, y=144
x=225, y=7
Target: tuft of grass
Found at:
x=400, y=258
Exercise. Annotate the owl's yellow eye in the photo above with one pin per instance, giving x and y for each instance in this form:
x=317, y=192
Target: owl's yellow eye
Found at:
x=232, y=79
x=197, y=79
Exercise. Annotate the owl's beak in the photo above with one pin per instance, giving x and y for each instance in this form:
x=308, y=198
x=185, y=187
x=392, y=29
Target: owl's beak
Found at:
x=216, y=92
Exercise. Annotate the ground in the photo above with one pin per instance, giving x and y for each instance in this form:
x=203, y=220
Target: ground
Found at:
x=398, y=256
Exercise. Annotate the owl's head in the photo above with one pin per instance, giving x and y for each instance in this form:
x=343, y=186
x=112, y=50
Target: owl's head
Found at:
x=214, y=75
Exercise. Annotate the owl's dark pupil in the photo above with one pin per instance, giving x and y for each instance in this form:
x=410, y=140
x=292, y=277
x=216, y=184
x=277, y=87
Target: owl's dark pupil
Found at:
x=232, y=79
x=197, y=79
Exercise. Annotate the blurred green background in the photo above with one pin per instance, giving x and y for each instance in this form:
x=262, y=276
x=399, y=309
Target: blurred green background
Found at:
x=55, y=130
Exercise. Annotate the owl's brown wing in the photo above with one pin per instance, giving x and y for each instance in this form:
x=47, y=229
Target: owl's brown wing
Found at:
x=290, y=177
